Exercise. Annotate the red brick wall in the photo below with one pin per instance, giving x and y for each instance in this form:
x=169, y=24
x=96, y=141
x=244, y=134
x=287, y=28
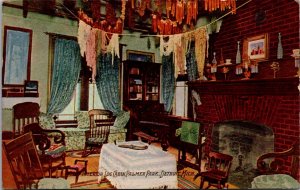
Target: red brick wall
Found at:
x=281, y=16
x=272, y=102
x=280, y=113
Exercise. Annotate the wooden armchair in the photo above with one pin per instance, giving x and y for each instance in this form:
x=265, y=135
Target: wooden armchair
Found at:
x=51, y=146
x=97, y=135
x=276, y=165
x=23, y=114
x=26, y=167
x=273, y=173
x=217, y=170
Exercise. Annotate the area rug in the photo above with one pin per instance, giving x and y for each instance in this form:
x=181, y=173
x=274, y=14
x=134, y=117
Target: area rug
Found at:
x=78, y=154
x=105, y=184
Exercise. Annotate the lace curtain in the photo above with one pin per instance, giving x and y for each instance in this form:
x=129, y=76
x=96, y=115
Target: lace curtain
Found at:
x=168, y=81
x=65, y=74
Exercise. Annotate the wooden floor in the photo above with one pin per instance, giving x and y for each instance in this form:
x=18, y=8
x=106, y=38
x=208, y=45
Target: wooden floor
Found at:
x=93, y=163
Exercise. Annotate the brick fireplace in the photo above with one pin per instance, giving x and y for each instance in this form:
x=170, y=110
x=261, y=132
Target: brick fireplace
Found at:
x=244, y=140
x=265, y=112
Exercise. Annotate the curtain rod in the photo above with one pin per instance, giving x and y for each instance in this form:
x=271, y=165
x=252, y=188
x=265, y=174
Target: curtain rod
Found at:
x=60, y=35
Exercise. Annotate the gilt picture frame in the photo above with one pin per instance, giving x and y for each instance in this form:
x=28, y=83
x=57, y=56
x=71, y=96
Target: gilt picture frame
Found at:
x=140, y=56
x=257, y=47
x=16, y=56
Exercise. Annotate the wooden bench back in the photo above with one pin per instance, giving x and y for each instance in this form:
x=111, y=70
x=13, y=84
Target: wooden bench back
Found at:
x=23, y=114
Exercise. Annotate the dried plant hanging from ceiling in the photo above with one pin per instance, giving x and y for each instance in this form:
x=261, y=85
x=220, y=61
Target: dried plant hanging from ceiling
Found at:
x=176, y=14
x=111, y=23
x=96, y=35
x=168, y=19
x=212, y=5
x=165, y=17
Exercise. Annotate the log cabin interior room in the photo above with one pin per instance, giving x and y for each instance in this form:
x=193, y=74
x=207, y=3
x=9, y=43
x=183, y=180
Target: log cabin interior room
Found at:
x=176, y=94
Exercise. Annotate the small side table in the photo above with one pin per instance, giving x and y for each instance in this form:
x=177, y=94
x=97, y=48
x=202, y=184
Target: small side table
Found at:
x=76, y=169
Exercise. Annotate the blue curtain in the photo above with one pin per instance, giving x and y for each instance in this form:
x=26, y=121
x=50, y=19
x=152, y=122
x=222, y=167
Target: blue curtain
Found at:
x=191, y=65
x=168, y=81
x=107, y=82
x=65, y=74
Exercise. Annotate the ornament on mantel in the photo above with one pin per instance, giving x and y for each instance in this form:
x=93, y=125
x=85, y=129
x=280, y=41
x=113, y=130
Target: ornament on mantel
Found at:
x=279, y=47
x=275, y=67
x=214, y=64
x=214, y=61
x=238, y=59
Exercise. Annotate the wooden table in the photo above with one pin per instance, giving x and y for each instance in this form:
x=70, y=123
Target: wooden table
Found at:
x=142, y=169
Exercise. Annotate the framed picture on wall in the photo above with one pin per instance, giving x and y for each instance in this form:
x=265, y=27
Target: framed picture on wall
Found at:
x=257, y=47
x=140, y=56
x=31, y=88
x=16, y=56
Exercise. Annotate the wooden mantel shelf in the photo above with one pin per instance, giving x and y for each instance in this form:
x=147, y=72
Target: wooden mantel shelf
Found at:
x=278, y=86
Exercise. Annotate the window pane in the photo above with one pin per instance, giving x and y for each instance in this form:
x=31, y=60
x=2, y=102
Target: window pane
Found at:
x=181, y=93
x=68, y=113
x=94, y=98
x=74, y=105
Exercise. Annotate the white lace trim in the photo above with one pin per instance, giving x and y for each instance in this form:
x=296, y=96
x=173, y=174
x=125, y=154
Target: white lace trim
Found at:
x=113, y=46
x=166, y=45
x=179, y=54
x=200, y=49
x=83, y=33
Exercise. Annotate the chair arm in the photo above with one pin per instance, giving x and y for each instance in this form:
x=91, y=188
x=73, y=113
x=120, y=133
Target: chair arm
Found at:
x=275, y=166
x=42, y=141
x=57, y=138
x=87, y=134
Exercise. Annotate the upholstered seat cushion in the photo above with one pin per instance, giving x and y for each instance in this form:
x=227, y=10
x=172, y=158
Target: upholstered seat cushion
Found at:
x=280, y=181
x=55, y=150
x=122, y=119
x=53, y=183
x=77, y=167
x=95, y=140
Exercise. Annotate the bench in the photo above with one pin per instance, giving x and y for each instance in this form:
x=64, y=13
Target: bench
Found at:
x=153, y=131
x=141, y=135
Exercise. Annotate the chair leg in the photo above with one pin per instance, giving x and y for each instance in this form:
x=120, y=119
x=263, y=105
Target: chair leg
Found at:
x=84, y=154
x=201, y=183
x=67, y=174
x=219, y=185
x=76, y=178
x=196, y=176
x=50, y=171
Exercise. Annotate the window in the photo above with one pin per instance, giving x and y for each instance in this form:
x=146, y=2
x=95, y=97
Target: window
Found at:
x=180, y=107
x=74, y=106
x=85, y=93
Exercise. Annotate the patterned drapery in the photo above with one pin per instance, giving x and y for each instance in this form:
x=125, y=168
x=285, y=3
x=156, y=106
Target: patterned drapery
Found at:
x=65, y=74
x=191, y=64
x=107, y=82
x=168, y=81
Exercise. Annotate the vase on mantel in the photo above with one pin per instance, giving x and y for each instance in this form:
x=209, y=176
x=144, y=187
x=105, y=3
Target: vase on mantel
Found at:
x=238, y=59
x=279, y=47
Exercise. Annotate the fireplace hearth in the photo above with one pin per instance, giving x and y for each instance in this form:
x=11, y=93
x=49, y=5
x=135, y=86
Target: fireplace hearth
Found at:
x=245, y=141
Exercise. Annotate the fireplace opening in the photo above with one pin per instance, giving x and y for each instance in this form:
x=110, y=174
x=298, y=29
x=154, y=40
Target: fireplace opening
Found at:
x=245, y=141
